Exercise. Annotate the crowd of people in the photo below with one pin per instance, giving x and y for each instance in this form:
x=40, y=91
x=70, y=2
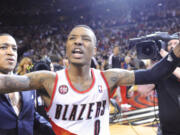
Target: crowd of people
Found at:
x=78, y=80
x=36, y=41
x=40, y=41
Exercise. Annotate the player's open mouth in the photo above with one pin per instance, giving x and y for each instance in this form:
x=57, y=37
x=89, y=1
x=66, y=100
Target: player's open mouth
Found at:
x=77, y=53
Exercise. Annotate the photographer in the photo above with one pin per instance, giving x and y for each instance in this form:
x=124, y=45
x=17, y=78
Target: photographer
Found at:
x=168, y=91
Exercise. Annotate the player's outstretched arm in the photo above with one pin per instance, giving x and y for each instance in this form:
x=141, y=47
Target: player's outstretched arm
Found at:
x=118, y=76
x=30, y=81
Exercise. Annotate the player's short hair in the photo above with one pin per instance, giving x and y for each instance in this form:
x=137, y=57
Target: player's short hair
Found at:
x=6, y=34
x=89, y=28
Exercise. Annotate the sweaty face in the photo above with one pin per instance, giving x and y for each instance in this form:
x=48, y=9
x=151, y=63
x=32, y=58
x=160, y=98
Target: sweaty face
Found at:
x=172, y=44
x=80, y=46
x=8, y=54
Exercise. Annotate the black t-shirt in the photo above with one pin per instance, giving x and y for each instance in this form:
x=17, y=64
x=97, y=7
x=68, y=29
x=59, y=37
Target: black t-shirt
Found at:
x=116, y=62
x=169, y=107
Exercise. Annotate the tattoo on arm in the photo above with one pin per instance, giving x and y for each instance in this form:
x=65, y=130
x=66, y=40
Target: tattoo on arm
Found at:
x=126, y=77
x=14, y=83
x=119, y=77
x=43, y=81
x=114, y=79
x=35, y=80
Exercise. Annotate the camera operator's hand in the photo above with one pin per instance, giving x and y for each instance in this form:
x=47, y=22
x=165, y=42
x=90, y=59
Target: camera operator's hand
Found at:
x=176, y=50
x=172, y=44
x=163, y=53
x=146, y=89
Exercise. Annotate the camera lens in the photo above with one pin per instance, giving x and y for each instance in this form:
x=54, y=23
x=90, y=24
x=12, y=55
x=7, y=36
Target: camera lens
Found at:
x=147, y=50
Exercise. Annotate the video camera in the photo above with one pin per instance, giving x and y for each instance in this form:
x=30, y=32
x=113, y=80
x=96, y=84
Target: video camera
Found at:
x=148, y=46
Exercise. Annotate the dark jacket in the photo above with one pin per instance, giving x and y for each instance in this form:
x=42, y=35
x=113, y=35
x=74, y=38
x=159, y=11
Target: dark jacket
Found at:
x=169, y=105
x=11, y=124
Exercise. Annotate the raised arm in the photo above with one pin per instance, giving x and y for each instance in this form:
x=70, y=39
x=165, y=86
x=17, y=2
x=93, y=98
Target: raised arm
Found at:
x=30, y=81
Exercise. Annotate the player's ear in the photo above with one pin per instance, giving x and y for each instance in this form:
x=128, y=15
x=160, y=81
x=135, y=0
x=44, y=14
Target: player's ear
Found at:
x=94, y=51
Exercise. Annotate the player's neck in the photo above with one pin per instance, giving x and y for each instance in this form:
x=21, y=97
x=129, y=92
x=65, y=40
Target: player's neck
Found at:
x=81, y=72
x=5, y=72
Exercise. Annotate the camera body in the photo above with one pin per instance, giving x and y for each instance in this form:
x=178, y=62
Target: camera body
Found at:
x=149, y=49
x=149, y=46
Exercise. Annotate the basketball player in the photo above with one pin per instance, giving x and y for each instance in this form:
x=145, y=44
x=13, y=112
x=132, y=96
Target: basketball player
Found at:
x=78, y=96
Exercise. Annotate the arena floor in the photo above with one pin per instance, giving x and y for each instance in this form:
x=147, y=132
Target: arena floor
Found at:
x=117, y=129
x=141, y=117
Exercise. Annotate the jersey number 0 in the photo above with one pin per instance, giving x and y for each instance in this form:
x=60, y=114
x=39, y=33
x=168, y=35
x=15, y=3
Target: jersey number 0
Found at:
x=97, y=127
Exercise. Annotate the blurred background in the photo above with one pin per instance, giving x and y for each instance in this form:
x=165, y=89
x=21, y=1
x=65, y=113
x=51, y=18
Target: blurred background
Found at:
x=41, y=28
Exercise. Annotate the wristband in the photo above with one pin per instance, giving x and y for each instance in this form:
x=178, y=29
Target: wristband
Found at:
x=172, y=57
x=161, y=70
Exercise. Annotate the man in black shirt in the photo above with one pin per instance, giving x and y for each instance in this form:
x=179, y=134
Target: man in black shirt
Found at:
x=168, y=96
x=114, y=59
x=168, y=91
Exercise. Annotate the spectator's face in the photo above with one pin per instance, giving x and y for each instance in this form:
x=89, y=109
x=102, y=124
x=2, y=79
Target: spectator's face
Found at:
x=8, y=54
x=127, y=59
x=116, y=51
x=172, y=44
x=80, y=46
x=26, y=65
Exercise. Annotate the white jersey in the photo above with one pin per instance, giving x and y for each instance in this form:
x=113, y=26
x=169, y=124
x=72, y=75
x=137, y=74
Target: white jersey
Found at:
x=73, y=112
